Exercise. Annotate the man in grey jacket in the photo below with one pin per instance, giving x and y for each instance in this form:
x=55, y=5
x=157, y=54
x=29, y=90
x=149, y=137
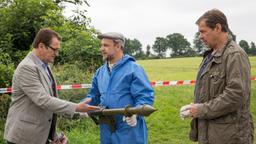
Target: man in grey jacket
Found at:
x=33, y=111
x=221, y=109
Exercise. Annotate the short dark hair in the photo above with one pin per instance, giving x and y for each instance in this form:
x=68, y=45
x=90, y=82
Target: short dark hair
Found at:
x=45, y=36
x=212, y=17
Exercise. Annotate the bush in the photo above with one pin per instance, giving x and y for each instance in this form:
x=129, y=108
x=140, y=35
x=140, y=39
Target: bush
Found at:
x=79, y=47
x=6, y=70
x=5, y=100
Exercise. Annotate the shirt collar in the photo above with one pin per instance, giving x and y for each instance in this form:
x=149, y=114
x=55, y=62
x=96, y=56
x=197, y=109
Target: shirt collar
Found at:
x=44, y=65
x=220, y=51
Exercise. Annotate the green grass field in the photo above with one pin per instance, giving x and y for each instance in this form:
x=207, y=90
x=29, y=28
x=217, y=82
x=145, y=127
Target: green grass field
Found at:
x=165, y=125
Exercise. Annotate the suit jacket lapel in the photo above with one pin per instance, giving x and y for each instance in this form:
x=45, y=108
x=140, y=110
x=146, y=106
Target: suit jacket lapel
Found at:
x=42, y=73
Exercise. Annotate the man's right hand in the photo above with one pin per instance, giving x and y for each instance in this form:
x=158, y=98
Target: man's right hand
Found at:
x=185, y=112
x=85, y=107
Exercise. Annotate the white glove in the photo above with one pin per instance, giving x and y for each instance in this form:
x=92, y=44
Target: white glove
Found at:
x=131, y=121
x=83, y=115
x=185, y=112
x=79, y=115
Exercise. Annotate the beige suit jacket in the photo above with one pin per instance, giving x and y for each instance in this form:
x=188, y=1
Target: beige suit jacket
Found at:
x=33, y=104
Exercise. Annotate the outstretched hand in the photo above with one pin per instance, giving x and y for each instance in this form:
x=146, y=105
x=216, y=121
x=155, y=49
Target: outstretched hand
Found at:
x=85, y=107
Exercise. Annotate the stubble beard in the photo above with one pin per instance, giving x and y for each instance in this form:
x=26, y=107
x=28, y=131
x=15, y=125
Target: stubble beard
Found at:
x=108, y=57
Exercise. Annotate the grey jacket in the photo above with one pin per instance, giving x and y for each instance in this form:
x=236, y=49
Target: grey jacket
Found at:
x=33, y=104
x=223, y=94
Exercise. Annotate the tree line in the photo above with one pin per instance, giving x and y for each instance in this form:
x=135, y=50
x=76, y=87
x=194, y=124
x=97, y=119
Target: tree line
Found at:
x=178, y=46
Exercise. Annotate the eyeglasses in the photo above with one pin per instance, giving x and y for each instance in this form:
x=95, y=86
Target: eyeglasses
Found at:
x=56, y=51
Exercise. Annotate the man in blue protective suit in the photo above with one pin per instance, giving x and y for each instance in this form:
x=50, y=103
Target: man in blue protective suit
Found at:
x=116, y=84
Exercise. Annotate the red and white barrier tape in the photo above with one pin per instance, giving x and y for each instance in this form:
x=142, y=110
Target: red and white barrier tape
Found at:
x=154, y=84
x=5, y=90
x=173, y=83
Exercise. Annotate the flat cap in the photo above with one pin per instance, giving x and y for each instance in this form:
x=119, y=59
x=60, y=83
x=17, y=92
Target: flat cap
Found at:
x=112, y=35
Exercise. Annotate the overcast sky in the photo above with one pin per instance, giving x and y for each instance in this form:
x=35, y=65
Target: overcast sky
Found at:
x=148, y=19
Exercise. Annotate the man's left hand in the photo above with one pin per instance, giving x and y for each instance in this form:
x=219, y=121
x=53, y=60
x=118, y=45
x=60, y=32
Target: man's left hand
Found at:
x=132, y=121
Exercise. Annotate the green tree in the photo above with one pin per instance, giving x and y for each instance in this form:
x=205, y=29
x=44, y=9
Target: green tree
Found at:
x=133, y=47
x=244, y=44
x=160, y=46
x=190, y=52
x=19, y=21
x=76, y=2
x=198, y=44
x=148, y=51
x=178, y=44
x=253, y=48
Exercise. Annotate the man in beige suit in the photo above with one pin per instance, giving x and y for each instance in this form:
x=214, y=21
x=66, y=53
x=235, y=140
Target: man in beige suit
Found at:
x=32, y=115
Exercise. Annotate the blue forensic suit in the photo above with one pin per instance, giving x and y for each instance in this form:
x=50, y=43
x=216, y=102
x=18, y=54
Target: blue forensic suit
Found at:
x=126, y=84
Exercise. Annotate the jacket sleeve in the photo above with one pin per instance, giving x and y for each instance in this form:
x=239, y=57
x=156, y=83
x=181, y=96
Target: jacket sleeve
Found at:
x=141, y=89
x=94, y=93
x=30, y=84
x=235, y=92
